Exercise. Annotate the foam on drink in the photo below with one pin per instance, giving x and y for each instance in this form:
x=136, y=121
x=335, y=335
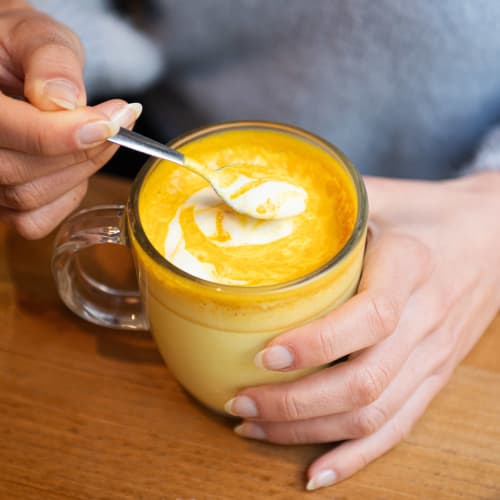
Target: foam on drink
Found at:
x=197, y=232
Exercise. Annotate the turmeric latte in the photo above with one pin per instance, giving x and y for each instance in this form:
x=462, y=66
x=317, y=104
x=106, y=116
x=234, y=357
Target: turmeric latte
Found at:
x=197, y=232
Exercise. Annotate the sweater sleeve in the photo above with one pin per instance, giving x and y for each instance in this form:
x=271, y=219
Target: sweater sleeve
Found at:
x=487, y=156
x=119, y=59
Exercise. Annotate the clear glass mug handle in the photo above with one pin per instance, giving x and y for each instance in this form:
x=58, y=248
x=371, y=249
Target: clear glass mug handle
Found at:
x=84, y=295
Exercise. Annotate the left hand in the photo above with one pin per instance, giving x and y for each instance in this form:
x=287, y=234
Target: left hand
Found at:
x=429, y=289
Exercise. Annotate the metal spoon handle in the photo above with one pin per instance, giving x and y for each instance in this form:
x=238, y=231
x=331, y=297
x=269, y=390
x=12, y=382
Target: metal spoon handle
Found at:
x=143, y=144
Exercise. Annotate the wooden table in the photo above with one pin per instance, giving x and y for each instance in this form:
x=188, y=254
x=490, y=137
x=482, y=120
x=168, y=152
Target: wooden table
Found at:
x=91, y=413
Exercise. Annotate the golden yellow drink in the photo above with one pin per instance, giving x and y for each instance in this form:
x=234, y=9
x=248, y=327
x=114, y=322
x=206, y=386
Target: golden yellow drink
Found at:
x=253, y=279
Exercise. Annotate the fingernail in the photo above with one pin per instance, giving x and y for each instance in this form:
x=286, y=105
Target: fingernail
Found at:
x=241, y=406
x=127, y=114
x=321, y=480
x=276, y=357
x=250, y=430
x=97, y=132
x=61, y=92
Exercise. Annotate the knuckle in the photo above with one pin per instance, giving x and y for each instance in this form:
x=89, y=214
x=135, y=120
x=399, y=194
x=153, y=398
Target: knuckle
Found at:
x=368, y=420
x=42, y=30
x=40, y=142
x=294, y=436
x=400, y=430
x=441, y=376
x=363, y=458
x=368, y=384
x=21, y=196
x=11, y=172
x=437, y=303
x=413, y=250
x=445, y=341
x=36, y=139
x=82, y=156
x=291, y=407
x=282, y=433
x=325, y=338
x=63, y=37
x=25, y=24
x=382, y=315
x=57, y=50
x=94, y=161
x=29, y=226
x=91, y=160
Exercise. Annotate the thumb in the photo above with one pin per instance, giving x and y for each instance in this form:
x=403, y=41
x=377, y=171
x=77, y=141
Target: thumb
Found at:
x=50, y=57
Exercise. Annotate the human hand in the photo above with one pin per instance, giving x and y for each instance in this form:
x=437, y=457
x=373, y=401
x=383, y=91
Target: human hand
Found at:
x=430, y=287
x=51, y=143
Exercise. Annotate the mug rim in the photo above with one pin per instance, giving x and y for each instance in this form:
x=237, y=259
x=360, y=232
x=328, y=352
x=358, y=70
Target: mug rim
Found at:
x=355, y=237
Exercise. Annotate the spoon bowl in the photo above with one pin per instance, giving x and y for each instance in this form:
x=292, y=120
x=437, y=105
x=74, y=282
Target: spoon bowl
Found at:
x=259, y=198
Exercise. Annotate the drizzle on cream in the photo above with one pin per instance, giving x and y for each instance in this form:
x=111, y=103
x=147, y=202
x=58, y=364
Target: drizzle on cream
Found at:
x=222, y=227
x=215, y=251
x=264, y=198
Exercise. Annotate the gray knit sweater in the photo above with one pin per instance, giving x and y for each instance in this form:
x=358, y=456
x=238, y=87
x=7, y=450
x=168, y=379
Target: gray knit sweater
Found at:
x=405, y=88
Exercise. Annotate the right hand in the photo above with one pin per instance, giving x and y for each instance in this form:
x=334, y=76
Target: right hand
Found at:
x=52, y=142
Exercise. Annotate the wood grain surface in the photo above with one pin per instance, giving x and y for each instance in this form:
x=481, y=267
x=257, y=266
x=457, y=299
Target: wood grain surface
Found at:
x=91, y=413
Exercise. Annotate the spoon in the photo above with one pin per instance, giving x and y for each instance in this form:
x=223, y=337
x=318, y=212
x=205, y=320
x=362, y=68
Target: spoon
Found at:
x=259, y=198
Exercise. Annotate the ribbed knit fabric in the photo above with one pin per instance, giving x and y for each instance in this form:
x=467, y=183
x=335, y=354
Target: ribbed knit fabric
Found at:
x=487, y=156
x=405, y=88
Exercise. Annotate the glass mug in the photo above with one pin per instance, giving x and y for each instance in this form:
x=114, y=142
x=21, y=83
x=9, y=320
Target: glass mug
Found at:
x=207, y=333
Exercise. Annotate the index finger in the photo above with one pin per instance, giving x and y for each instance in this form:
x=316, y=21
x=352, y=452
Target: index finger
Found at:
x=26, y=129
x=395, y=265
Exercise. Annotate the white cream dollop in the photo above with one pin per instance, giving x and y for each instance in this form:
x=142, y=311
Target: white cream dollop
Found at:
x=211, y=217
